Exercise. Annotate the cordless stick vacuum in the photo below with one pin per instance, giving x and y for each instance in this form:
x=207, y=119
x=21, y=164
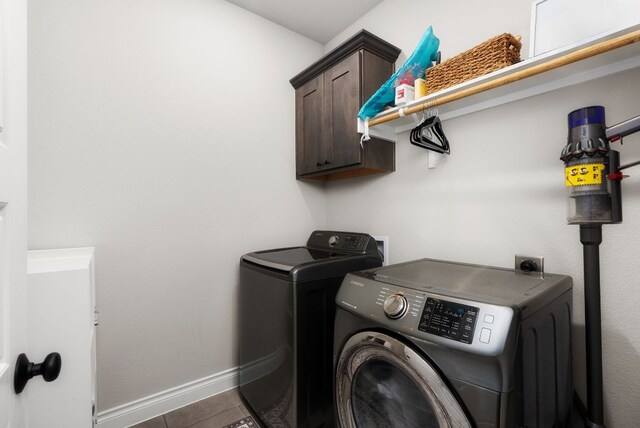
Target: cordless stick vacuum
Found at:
x=592, y=177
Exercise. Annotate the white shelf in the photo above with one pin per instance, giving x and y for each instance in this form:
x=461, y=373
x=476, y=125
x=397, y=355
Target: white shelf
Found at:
x=600, y=65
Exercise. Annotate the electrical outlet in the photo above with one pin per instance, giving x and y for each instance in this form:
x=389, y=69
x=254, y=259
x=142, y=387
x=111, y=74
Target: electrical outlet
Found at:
x=529, y=264
x=383, y=247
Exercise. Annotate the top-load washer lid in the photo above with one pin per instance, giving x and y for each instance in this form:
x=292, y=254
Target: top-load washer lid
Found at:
x=285, y=259
x=327, y=254
x=474, y=282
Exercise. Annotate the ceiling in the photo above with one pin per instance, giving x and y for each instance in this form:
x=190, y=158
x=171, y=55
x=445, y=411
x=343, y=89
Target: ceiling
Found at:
x=318, y=20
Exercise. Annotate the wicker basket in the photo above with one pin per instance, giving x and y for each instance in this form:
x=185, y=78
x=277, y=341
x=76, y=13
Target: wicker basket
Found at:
x=494, y=54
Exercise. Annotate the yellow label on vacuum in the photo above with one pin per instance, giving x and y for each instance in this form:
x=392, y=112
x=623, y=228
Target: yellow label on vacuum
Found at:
x=584, y=174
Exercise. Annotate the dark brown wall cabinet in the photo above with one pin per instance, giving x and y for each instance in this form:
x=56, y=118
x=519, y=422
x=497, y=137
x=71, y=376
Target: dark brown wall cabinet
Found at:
x=329, y=95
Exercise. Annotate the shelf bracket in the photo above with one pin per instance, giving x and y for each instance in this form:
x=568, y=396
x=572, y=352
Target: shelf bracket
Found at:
x=433, y=159
x=386, y=132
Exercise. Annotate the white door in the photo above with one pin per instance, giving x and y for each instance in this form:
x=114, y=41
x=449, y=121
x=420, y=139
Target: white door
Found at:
x=13, y=209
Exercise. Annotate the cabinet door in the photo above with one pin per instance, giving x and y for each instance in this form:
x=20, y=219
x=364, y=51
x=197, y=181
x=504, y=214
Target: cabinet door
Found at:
x=310, y=145
x=342, y=101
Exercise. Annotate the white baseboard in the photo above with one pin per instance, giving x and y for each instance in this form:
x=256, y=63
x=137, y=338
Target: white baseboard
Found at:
x=157, y=404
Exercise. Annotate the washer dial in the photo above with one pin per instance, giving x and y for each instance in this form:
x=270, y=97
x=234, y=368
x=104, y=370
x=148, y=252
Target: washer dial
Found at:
x=395, y=306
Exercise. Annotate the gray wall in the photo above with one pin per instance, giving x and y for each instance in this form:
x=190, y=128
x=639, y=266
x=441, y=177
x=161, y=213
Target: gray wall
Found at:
x=162, y=133
x=502, y=190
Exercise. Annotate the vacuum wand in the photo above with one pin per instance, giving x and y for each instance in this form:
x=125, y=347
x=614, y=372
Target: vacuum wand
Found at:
x=592, y=178
x=588, y=162
x=591, y=238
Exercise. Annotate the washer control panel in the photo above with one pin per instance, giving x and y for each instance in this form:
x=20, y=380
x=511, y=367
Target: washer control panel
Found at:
x=342, y=241
x=463, y=324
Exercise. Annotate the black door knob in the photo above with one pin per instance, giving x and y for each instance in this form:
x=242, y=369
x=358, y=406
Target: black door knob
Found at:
x=25, y=370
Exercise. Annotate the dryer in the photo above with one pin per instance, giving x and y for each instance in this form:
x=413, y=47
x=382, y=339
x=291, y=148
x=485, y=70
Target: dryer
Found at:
x=286, y=318
x=432, y=343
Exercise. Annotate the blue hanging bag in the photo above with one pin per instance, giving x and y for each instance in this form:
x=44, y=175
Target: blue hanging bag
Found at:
x=414, y=67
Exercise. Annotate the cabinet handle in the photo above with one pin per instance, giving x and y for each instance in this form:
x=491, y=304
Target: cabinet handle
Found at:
x=319, y=164
x=327, y=162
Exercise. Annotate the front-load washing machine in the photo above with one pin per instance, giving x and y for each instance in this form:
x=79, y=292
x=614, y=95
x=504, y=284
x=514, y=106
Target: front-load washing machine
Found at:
x=286, y=317
x=440, y=344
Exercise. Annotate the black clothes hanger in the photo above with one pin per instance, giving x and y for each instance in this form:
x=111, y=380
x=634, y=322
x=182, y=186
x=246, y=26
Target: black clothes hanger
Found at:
x=430, y=126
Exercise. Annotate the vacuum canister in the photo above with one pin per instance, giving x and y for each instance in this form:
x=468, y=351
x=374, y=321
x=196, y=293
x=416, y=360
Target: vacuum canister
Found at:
x=588, y=161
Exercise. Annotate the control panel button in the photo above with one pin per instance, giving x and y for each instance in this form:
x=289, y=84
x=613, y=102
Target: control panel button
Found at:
x=485, y=335
x=488, y=319
x=333, y=240
x=395, y=306
x=466, y=337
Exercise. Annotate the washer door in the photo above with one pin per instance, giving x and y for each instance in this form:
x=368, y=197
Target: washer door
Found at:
x=380, y=382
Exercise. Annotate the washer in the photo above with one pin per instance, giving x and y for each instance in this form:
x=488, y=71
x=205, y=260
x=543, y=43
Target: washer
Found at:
x=440, y=344
x=286, y=319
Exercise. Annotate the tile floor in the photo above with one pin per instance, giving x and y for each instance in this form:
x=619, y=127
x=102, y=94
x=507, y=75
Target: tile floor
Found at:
x=213, y=412
x=226, y=408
